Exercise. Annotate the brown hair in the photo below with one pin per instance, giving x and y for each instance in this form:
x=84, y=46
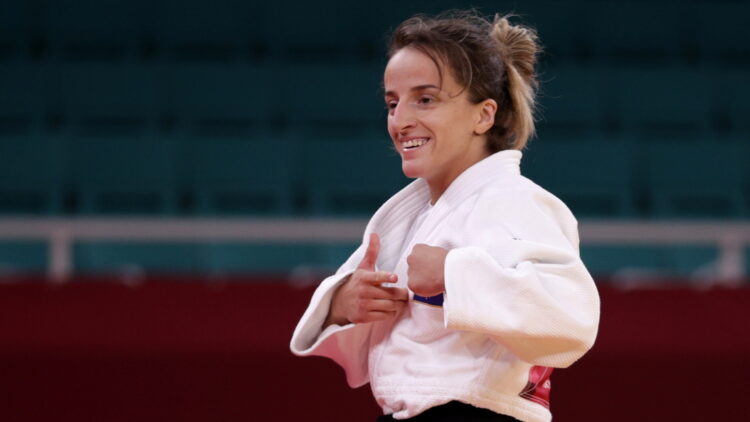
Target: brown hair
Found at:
x=491, y=59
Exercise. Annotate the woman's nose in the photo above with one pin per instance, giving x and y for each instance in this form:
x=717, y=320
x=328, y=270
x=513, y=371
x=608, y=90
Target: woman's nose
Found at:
x=403, y=117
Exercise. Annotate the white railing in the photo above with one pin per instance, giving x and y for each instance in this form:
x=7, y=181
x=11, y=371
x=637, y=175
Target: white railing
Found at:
x=729, y=237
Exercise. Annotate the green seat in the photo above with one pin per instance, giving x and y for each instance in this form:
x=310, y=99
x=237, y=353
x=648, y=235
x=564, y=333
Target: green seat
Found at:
x=669, y=103
x=224, y=99
x=561, y=40
x=111, y=98
x=238, y=175
x=122, y=175
x=734, y=92
x=352, y=177
x=636, y=32
x=197, y=31
x=723, y=33
x=594, y=178
x=94, y=30
x=700, y=179
x=574, y=103
x=135, y=257
x=23, y=256
x=31, y=175
x=268, y=258
x=641, y=260
x=334, y=100
x=25, y=96
x=16, y=25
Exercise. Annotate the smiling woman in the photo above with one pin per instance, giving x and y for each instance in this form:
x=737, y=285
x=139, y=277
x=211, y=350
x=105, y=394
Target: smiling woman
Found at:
x=468, y=288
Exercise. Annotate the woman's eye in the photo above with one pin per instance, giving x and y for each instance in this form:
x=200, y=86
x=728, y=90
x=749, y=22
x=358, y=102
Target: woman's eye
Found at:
x=425, y=100
x=390, y=105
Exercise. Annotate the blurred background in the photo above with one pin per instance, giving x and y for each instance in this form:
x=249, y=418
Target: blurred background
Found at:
x=177, y=176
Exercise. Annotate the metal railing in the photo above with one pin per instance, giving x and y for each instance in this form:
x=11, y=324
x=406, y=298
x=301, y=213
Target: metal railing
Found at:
x=730, y=238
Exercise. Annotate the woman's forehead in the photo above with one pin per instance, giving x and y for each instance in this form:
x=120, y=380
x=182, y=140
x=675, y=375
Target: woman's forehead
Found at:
x=410, y=68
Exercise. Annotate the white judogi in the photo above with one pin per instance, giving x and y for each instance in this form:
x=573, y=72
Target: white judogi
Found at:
x=518, y=300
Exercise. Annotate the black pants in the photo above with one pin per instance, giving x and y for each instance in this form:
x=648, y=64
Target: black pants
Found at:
x=455, y=411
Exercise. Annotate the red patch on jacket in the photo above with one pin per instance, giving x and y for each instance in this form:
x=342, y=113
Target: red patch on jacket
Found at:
x=539, y=385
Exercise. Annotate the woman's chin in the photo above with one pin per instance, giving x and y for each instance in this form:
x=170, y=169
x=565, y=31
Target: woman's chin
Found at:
x=411, y=171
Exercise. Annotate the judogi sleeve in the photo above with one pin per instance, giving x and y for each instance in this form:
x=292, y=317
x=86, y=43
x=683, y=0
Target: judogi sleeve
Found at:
x=520, y=280
x=346, y=345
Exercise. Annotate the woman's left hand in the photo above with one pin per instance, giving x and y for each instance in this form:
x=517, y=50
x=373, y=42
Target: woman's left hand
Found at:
x=426, y=275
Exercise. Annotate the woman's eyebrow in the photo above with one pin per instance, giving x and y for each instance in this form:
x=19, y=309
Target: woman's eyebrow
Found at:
x=416, y=88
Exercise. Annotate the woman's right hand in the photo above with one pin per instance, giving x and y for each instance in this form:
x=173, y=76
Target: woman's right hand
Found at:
x=362, y=298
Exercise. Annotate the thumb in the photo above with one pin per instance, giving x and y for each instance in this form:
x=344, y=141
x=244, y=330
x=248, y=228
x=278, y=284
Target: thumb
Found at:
x=371, y=254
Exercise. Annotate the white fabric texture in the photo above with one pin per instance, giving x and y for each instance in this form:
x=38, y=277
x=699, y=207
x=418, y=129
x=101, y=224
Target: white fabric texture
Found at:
x=516, y=296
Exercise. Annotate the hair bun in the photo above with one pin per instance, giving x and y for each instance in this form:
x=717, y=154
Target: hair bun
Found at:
x=518, y=49
x=518, y=45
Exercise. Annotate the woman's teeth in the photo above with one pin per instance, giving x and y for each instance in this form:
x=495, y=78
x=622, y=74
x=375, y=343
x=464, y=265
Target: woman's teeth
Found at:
x=415, y=143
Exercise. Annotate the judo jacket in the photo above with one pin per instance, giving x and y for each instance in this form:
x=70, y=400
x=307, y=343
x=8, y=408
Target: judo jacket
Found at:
x=518, y=301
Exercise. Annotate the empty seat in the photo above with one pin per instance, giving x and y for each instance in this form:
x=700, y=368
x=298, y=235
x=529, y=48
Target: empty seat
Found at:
x=135, y=258
x=96, y=30
x=646, y=262
x=350, y=176
x=15, y=28
x=111, y=98
x=700, y=179
x=560, y=26
x=31, y=175
x=225, y=100
x=343, y=99
x=238, y=175
x=723, y=31
x=636, y=32
x=122, y=175
x=263, y=258
x=218, y=31
x=666, y=103
x=23, y=256
x=311, y=31
x=27, y=90
x=574, y=103
x=594, y=178
x=734, y=103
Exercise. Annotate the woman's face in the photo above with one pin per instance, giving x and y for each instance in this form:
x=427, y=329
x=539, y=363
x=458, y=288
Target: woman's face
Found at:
x=437, y=131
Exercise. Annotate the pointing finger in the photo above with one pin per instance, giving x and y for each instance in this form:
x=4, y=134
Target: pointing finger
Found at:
x=371, y=254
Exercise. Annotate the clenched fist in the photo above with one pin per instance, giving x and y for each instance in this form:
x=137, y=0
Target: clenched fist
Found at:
x=426, y=274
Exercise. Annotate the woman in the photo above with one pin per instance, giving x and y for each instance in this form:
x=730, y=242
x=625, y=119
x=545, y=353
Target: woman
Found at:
x=468, y=288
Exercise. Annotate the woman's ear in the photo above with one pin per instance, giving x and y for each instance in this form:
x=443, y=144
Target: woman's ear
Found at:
x=486, y=119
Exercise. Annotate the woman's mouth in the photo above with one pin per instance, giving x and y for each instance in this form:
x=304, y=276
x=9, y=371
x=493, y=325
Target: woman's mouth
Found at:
x=414, y=143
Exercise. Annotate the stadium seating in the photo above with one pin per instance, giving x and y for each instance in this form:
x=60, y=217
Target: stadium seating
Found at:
x=222, y=31
x=15, y=30
x=90, y=30
x=122, y=175
x=352, y=176
x=214, y=99
x=27, y=92
x=575, y=103
x=626, y=263
x=236, y=108
x=666, y=102
x=638, y=32
x=594, y=178
x=132, y=259
x=721, y=31
x=29, y=256
x=31, y=175
x=701, y=179
x=230, y=175
x=111, y=98
x=342, y=100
